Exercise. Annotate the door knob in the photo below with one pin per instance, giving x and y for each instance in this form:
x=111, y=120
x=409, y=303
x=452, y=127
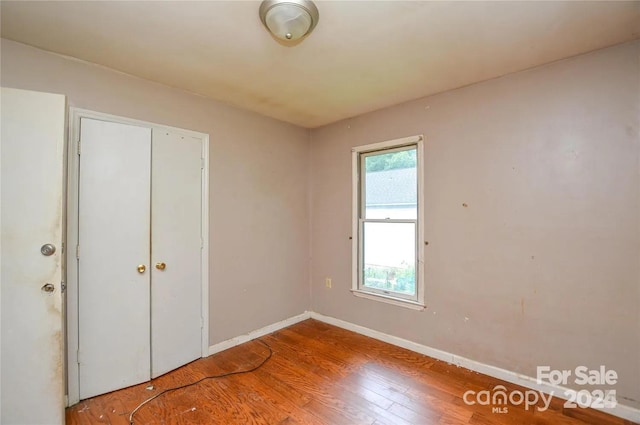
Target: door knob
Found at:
x=48, y=287
x=142, y=268
x=48, y=249
x=161, y=266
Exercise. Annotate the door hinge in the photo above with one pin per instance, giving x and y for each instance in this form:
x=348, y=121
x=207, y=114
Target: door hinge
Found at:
x=77, y=252
x=78, y=356
x=79, y=143
x=63, y=286
x=201, y=322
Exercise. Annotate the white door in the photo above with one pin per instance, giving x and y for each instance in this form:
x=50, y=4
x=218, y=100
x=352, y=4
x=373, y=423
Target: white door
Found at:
x=176, y=318
x=32, y=146
x=113, y=257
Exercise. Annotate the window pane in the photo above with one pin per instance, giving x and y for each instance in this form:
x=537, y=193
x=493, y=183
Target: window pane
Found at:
x=390, y=182
x=390, y=256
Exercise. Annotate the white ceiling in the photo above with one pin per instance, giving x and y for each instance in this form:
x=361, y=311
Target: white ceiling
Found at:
x=362, y=56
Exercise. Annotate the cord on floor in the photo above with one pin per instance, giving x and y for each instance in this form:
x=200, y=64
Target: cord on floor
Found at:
x=223, y=375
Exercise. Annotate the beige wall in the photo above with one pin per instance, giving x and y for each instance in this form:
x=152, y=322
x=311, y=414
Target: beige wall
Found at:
x=258, y=183
x=542, y=267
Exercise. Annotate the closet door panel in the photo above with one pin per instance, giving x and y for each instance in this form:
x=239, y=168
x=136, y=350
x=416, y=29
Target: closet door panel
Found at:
x=176, y=297
x=114, y=239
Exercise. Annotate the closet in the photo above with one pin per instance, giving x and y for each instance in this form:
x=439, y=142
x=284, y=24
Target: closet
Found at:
x=139, y=253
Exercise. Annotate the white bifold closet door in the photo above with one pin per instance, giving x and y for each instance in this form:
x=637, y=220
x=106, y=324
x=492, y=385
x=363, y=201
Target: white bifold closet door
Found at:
x=139, y=286
x=176, y=205
x=113, y=238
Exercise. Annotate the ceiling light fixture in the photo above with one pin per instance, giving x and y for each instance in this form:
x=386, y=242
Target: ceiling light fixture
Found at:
x=289, y=20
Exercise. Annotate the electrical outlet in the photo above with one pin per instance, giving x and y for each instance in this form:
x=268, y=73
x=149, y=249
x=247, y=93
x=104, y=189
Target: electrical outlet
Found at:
x=327, y=282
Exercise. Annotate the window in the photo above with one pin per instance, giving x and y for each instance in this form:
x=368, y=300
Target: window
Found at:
x=387, y=216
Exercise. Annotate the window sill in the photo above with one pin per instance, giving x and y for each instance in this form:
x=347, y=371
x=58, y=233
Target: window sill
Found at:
x=413, y=305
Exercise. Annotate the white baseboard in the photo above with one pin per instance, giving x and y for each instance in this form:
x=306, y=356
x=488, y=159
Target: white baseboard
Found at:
x=621, y=411
x=224, y=345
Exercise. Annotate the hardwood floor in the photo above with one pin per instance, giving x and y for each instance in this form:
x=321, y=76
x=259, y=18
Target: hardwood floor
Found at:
x=320, y=375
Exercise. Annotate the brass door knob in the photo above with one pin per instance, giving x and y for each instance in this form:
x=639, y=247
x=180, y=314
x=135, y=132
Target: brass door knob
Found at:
x=142, y=268
x=161, y=266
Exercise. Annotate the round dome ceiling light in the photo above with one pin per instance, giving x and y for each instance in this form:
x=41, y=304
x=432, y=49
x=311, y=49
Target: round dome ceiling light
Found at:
x=289, y=20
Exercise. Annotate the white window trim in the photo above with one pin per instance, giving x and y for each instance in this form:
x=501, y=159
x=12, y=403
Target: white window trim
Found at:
x=355, y=222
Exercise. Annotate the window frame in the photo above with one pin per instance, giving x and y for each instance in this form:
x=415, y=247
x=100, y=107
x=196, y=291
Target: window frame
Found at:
x=358, y=154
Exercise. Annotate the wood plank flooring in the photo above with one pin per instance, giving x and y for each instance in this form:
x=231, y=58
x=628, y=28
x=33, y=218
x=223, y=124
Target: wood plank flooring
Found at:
x=320, y=375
